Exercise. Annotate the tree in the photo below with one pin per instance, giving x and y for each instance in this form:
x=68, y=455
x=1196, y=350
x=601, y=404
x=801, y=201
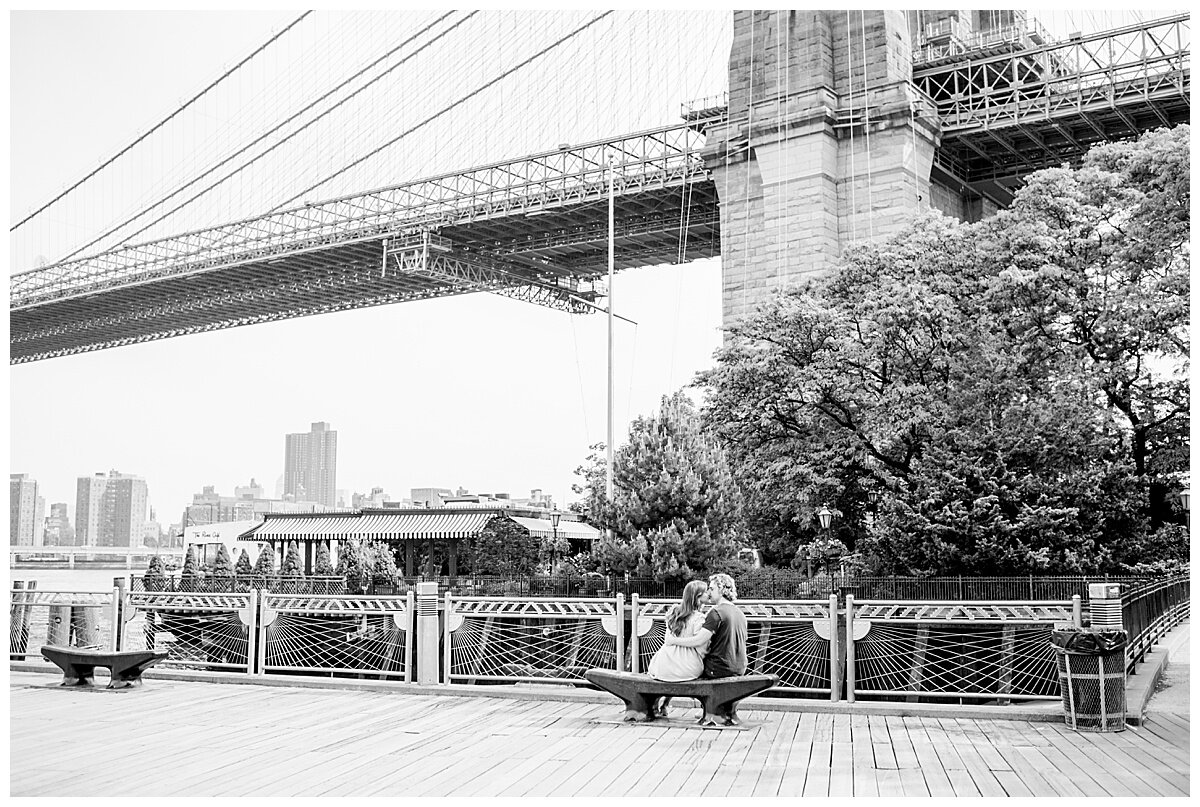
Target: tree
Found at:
x=322, y=567
x=672, y=483
x=222, y=570
x=243, y=567
x=264, y=566
x=190, y=575
x=503, y=547
x=293, y=565
x=970, y=373
x=155, y=578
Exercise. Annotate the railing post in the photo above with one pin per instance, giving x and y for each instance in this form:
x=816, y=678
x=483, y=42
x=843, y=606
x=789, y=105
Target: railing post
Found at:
x=835, y=661
x=252, y=644
x=635, y=649
x=850, y=648
x=620, y=632
x=428, y=657
x=1077, y=610
x=410, y=634
x=446, y=656
x=118, y=597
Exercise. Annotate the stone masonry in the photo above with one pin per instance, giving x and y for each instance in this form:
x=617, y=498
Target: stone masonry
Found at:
x=827, y=144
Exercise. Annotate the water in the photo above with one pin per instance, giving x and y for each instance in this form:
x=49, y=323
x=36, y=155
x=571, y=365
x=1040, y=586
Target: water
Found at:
x=71, y=579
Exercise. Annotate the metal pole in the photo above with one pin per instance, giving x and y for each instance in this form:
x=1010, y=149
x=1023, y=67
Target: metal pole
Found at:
x=835, y=661
x=635, y=646
x=608, y=487
x=850, y=648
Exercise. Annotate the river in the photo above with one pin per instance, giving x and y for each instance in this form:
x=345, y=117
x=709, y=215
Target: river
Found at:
x=71, y=579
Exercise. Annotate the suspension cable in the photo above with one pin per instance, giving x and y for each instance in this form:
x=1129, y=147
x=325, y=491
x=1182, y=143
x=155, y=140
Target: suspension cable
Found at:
x=162, y=122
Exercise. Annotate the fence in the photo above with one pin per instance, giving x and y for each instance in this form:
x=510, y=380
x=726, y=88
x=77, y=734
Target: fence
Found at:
x=797, y=641
x=884, y=648
x=241, y=584
x=1150, y=610
x=954, y=649
x=542, y=639
x=364, y=635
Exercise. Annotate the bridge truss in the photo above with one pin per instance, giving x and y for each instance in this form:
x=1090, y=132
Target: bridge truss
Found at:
x=535, y=228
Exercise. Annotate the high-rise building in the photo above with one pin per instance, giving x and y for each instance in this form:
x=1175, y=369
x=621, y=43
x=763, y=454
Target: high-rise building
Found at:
x=110, y=510
x=58, y=530
x=24, y=518
x=310, y=466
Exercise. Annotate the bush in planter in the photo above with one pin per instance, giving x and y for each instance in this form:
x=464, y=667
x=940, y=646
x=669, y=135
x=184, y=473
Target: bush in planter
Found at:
x=155, y=578
x=354, y=565
x=191, y=576
x=265, y=565
x=382, y=565
x=222, y=571
x=322, y=566
x=243, y=567
x=293, y=566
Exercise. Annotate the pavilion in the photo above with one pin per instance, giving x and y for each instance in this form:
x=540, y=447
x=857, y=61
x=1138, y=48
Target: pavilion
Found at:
x=409, y=528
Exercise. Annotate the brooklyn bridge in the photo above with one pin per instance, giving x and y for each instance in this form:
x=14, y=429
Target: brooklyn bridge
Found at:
x=828, y=128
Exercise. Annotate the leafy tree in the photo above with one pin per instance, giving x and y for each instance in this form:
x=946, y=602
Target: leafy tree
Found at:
x=382, y=563
x=672, y=484
x=322, y=567
x=503, y=547
x=971, y=372
x=293, y=565
x=243, y=567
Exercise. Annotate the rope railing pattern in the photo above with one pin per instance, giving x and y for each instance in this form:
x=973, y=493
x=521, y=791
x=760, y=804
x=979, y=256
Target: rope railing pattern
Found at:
x=199, y=631
x=543, y=640
x=954, y=649
x=342, y=634
x=795, y=641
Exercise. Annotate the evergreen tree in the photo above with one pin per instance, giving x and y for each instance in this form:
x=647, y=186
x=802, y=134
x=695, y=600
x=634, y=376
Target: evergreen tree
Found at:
x=222, y=570
x=505, y=548
x=672, y=483
x=322, y=567
x=190, y=576
x=243, y=567
x=264, y=567
x=354, y=565
x=293, y=565
x=155, y=578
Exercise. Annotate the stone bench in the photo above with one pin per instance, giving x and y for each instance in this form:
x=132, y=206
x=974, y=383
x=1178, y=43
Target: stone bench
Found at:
x=79, y=665
x=718, y=696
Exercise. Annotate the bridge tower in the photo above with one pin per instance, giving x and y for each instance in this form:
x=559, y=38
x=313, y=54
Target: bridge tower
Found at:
x=826, y=143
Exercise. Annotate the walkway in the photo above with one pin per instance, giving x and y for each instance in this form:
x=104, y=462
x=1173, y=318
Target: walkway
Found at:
x=176, y=738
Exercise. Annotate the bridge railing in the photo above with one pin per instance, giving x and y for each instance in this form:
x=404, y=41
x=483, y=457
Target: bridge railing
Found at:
x=1151, y=609
x=996, y=650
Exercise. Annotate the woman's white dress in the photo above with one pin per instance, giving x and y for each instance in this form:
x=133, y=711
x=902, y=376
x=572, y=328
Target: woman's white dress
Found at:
x=675, y=663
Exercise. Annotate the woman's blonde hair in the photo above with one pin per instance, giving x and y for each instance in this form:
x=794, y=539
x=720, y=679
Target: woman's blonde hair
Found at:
x=689, y=604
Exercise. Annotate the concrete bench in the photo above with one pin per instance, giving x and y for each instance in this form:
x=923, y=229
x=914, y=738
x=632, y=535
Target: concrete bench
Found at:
x=718, y=696
x=79, y=665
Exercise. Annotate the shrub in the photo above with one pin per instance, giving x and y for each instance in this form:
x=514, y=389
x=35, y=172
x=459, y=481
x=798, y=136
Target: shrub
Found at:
x=155, y=578
x=293, y=566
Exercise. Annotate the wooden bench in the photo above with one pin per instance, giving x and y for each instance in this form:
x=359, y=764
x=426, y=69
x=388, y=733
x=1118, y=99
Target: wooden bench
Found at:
x=79, y=665
x=718, y=696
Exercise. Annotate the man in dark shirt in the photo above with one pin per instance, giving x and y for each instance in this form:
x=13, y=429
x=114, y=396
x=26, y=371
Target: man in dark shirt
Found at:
x=724, y=631
x=726, y=654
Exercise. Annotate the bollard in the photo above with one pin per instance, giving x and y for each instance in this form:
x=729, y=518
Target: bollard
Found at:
x=58, y=627
x=428, y=657
x=85, y=626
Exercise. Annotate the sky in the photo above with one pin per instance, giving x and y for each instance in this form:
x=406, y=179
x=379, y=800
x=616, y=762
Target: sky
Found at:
x=477, y=391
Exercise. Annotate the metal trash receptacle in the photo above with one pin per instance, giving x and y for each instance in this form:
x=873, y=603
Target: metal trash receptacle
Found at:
x=1091, y=674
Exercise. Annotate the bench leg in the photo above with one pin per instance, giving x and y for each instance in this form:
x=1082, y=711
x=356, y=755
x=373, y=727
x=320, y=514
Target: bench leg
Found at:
x=129, y=677
x=719, y=713
x=638, y=708
x=78, y=675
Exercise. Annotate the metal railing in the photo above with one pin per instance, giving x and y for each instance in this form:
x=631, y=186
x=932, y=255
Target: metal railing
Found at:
x=994, y=650
x=204, y=631
x=796, y=641
x=242, y=584
x=1150, y=610
x=62, y=618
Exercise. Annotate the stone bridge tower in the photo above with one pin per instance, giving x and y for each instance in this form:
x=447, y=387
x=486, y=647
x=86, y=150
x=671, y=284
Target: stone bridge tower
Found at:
x=827, y=143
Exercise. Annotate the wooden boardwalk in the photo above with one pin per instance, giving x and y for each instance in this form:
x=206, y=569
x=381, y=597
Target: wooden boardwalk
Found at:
x=179, y=738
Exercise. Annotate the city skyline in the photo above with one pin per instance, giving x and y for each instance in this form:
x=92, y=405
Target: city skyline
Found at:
x=476, y=391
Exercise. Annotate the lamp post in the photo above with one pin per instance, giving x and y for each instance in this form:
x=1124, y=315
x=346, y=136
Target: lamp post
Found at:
x=554, y=517
x=825, y=518
x=1185, y=498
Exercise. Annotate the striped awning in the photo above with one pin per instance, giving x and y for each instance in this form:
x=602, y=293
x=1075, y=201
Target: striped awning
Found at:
x=543, y=528
x=389, y=526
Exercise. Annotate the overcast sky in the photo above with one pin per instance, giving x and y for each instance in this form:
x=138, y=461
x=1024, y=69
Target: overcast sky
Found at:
x=479, y=391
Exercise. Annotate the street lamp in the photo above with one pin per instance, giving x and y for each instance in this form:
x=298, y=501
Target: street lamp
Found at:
x=1185, y=498
x=825, y=516
x=554, y=517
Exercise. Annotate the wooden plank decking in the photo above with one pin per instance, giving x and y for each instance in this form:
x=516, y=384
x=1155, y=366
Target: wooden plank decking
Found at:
x=177, y=738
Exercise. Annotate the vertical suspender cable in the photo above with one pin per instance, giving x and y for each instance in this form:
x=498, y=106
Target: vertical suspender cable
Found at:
x=608, y=483
x=746, y=184
x=853, y=175
x=867, y=124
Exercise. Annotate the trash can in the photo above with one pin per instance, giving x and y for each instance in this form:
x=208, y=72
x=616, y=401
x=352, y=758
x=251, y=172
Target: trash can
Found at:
x=1091, y=673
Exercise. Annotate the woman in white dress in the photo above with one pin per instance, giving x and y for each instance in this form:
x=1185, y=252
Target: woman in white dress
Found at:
x=675, y=663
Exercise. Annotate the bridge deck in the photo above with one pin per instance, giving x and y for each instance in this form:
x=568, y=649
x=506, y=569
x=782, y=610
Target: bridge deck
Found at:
x=176, y=738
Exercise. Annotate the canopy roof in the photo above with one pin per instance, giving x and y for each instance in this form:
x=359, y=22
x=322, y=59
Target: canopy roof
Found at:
x=399, y=525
